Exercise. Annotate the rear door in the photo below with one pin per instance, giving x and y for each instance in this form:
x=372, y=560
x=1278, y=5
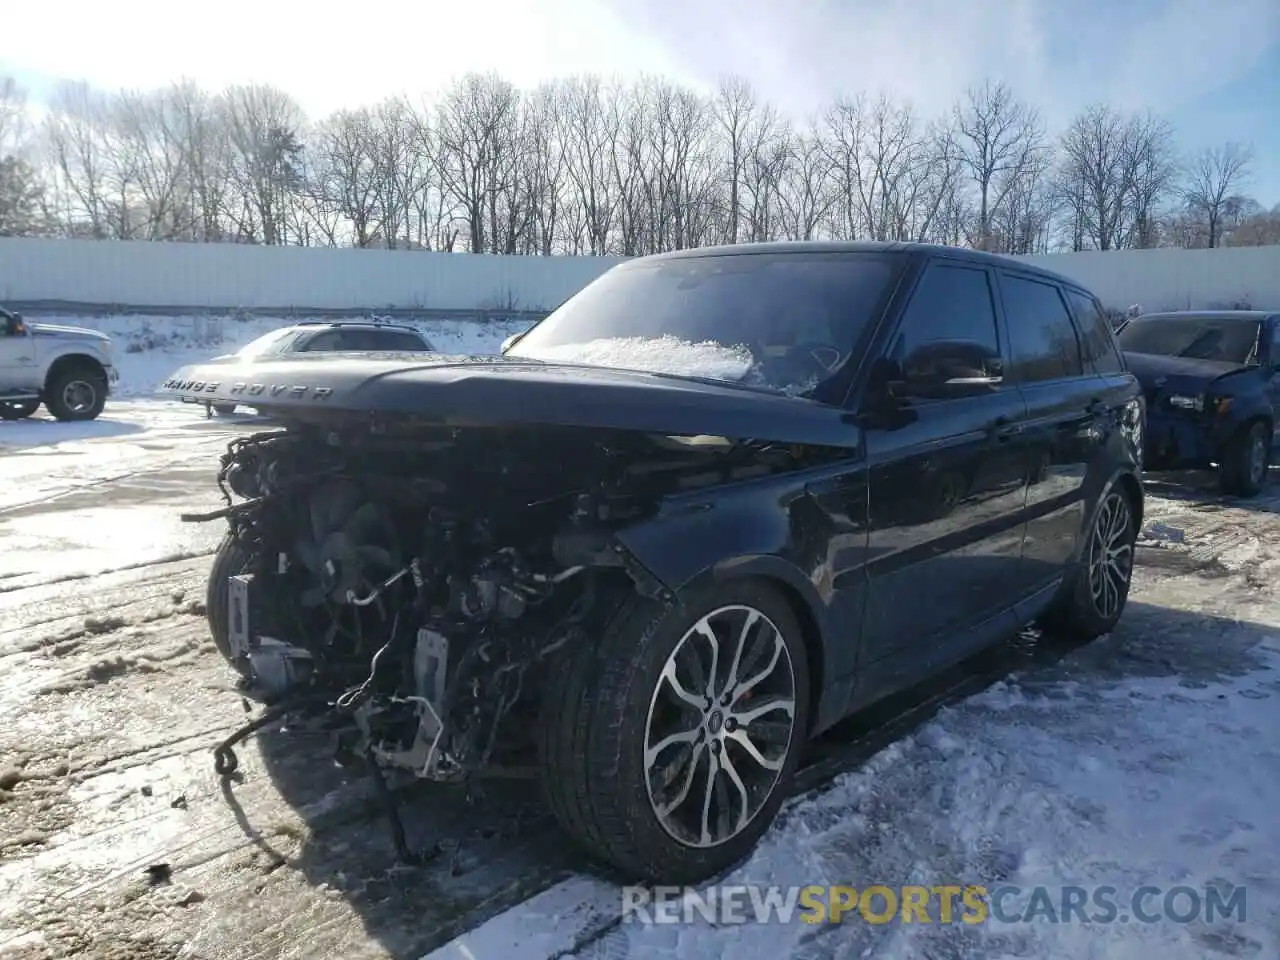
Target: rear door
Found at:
x=947, y=483
x=1066, y=402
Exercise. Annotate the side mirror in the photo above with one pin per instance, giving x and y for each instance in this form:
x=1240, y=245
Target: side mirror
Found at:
x=15, y=325
x=947, y=369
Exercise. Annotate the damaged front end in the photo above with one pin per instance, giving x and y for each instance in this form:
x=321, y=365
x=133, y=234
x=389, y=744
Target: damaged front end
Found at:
x=410, y=583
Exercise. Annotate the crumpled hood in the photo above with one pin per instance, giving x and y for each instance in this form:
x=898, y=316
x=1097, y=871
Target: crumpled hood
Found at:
x=1177, y=374
x=497, y=390
x=66, y=333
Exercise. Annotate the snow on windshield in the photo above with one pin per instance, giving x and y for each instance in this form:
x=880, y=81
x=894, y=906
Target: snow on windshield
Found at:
x=665, y=354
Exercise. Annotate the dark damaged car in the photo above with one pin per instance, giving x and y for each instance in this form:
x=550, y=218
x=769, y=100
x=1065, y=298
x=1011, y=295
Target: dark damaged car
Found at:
x=714, y=503
x=1212, y=385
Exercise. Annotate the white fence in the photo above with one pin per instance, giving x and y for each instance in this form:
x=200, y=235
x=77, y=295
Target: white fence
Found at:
x=229, y=276
x=1169, y=279
x=218, y=277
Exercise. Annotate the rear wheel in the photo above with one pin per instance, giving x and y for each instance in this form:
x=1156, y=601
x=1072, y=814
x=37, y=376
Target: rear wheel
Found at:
x=76, y=392
x=230, y=559
x=1097, y=597
x=668, y=750
x=18, y=409
x=1243, y=470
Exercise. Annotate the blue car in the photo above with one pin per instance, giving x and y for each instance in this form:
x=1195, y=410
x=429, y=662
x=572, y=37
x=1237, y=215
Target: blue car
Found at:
x=1212, y=385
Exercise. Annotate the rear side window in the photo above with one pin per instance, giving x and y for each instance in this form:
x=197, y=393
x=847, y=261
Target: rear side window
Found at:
x=389, y=340
x=329, y=340
x=1097, y=342
x=1042, y=338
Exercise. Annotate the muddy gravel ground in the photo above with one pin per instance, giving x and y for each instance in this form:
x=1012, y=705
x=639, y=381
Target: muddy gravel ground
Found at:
x=117, y=839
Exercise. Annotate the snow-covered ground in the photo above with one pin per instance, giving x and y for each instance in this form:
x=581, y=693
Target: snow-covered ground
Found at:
x=1149, y=758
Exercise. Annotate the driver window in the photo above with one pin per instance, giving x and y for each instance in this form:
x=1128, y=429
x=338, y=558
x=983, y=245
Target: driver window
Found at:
x=947, y=332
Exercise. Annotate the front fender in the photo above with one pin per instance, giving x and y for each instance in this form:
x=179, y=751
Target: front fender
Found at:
x=49, y=355
x=756, y=529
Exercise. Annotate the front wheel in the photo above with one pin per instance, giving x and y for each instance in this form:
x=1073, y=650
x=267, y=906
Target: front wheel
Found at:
x=1096, y=597
x=76, y=393
x=230, y=559
x=1243, y=470
x=18, y=409
x=668, y=750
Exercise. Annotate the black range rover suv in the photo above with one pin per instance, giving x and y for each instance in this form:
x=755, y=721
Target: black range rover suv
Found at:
x=712, y=504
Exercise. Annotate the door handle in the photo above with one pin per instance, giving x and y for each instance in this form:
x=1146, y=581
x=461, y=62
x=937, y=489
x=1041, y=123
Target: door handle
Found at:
x=1005, y=428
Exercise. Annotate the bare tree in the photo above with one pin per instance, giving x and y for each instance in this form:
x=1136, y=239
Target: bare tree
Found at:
x=264, y=126
x=13, y=117
x=1151, y=171
x=473, y=132
x=22, y=193
x=1214, y=178
x=1260, y=228
x=587, y=122
x=1001, y=140
x=580, y=165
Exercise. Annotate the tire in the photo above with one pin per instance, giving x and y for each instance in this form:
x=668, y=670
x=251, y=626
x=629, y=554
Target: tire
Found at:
x=223, y=409
x=18, y=409
x=230, y=559
x=1080, y=616
x=76, y=392
x=1243, y=470
x=596, y=725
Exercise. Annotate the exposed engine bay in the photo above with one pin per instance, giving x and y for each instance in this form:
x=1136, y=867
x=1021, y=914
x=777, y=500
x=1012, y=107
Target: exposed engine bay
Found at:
x=414, y=582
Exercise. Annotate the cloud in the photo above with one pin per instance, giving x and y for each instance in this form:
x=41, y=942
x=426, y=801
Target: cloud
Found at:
x=1059, y=56
x=799, y=54
x=326, y=56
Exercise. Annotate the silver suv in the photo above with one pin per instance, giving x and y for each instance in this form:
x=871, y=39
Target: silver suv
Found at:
x=322, y=336
x=68, y=369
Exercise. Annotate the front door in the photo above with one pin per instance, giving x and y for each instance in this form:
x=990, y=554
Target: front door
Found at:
x=947, y=484
x=17, y=358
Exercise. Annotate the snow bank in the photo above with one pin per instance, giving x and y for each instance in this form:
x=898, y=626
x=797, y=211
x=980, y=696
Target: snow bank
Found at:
x=149, y=348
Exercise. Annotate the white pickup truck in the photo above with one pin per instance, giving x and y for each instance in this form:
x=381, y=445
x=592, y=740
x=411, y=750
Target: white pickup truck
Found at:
x=68, y=369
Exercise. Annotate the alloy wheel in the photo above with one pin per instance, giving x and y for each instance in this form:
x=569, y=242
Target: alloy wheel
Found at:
x=720, y=726
x=1257, y=457
x=1110, y=555
x=79, y=396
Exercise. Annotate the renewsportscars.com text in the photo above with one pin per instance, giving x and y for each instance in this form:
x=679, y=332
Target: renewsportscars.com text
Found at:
x=944, y=904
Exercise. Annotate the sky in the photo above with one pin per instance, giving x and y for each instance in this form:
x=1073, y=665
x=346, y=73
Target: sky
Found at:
x=1212, y=67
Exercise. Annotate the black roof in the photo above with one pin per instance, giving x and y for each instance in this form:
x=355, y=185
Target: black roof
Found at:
x=861, y=246
x=366, y=324
x=1254, y=315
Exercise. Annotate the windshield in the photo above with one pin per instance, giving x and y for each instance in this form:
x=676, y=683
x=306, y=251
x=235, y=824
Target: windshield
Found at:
x=1196, y=338
x=783, y=321
x=262, y=344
